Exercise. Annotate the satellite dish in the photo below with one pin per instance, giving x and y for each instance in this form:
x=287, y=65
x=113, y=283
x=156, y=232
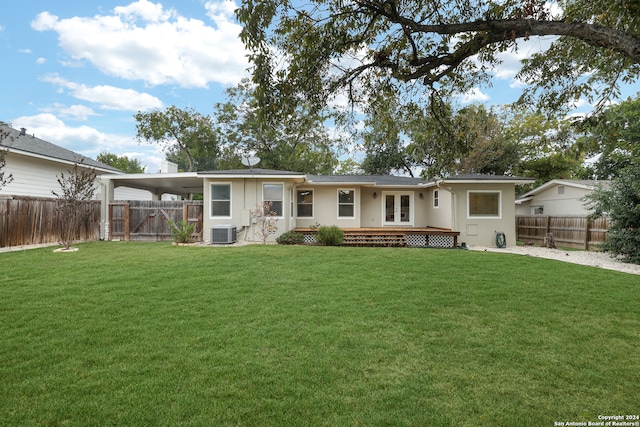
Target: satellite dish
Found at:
x=250, y=161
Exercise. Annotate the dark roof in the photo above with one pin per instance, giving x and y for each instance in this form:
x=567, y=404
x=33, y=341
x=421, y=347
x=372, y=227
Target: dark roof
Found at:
x=249, y=171
x=485, y=177
x=31, y=144
x=382, y=180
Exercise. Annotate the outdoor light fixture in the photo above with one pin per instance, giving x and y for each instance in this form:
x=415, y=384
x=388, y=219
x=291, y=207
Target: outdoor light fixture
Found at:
x=421, y=196
x=375, y=195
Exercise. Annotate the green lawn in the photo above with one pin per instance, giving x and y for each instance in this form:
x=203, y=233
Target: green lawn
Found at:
x=150, y=334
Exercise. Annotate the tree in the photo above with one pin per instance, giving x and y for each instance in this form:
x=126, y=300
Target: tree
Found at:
x=384, y=139
x=76, y=188
x=296, y=140
x=614, y=136
x=621, y=202
x=313, y=50
x=5, y=178
x=180, y=133
x=122, y=163
x=548, y=147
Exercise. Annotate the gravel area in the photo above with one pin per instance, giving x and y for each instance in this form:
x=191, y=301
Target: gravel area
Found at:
x=594, y=259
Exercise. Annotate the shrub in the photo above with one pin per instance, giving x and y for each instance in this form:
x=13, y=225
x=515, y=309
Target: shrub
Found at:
x=330, y=235
x=182, y=231
x=290, y=238
x=621, y=202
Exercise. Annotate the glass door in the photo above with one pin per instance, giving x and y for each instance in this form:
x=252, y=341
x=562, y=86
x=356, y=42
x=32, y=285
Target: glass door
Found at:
x=398, y=209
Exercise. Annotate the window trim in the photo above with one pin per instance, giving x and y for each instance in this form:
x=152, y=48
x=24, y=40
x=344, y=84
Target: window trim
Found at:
x=282, y=194
x=436, y=199
x=498, y=216
x=211, y=200
x=339, y=204
x=313, y=203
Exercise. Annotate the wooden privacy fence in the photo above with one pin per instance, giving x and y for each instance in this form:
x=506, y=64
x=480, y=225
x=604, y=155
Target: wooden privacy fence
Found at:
x=32, y=221
x=578, y=232
x=148, y=220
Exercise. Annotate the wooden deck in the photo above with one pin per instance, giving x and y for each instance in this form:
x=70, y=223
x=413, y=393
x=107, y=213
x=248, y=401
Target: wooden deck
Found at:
x=393, y=236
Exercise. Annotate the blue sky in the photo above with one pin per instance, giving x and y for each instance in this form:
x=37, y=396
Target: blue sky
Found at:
x=75, y=73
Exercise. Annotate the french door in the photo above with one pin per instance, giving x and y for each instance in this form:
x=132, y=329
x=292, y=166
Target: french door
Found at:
x=398, y=208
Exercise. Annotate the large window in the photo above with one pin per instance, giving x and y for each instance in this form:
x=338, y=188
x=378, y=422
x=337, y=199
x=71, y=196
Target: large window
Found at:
x=221, y=200
x=305, y=203
x=274, y=193
x=346, y=203
x=484, y=204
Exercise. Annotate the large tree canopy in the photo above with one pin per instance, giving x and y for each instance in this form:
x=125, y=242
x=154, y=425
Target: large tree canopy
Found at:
x=298, y=141
x=613, y=135
x=310, y=50
x=183, y=134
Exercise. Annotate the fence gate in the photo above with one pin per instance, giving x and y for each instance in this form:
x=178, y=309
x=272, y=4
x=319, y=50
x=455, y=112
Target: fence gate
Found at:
x=148, y=220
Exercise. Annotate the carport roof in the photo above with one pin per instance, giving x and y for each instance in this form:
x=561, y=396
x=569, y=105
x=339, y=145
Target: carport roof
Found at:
x=159, y=183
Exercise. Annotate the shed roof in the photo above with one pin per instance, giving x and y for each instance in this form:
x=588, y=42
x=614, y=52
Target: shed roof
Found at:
x=30, y=145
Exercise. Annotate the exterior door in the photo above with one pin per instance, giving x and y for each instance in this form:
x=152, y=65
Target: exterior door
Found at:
x=398, y=208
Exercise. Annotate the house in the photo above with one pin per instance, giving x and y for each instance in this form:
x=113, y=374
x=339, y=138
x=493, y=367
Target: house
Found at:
x=465, y=208
x=557, y=197
x=36, y=165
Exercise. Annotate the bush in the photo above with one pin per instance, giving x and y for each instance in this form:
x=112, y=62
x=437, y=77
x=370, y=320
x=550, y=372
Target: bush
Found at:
x=330, y=235
x=621, y=202
x=182, y=231
x=290, y=238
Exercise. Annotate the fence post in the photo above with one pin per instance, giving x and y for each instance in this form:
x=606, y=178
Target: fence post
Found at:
x=587, y=232
x=127, y=223
x=546, y=231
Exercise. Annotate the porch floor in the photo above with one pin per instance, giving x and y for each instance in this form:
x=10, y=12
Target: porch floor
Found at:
x=393, y=236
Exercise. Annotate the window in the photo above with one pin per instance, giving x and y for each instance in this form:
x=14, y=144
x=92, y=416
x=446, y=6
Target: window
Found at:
x=305, y=203
x=346, y=203
x=274, y=193
x=221, y=200
x=484, y=204
x=537, y=210
x=436, y=198
x=560, y=189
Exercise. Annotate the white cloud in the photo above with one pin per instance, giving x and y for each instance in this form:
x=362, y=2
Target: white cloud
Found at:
x=474, y=95
x=41, y=61
x=88, y=141
x=27, y=51
x=142, y=41
x=74, y=112
x=107, y=97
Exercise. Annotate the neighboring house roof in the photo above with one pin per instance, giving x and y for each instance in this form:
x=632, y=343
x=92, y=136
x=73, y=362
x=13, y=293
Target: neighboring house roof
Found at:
x=369, y=180
x=577, y=183
x=250, y=173
x=493, y=179
x=29, y=145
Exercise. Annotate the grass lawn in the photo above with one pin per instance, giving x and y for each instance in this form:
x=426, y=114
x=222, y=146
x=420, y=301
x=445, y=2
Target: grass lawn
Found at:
x=150, y=334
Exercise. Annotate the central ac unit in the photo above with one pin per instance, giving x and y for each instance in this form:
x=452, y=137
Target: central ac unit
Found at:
x=224, y=233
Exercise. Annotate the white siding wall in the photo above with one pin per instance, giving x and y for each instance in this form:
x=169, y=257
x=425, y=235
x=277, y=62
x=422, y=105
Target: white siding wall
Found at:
x=556, y=202
x=32, y=176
